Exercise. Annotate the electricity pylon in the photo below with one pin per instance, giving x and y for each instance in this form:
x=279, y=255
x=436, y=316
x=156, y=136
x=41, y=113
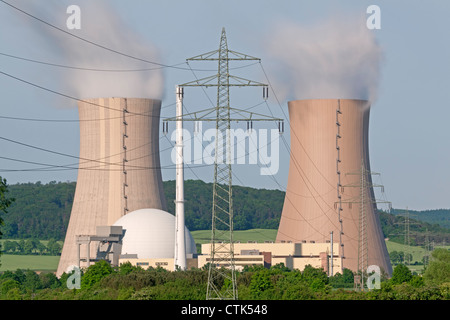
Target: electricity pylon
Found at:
x=221, y=275
x=365, y=188
x=407, y=235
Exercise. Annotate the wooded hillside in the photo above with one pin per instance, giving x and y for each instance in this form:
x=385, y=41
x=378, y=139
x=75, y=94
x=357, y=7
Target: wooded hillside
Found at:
x=42, y=211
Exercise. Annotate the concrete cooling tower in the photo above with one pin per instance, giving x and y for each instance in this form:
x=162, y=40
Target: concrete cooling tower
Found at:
x=119, y=168
x=329, y=153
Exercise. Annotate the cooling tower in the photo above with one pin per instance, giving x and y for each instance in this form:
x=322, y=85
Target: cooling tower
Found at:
x=329, y=149
x=119, y=168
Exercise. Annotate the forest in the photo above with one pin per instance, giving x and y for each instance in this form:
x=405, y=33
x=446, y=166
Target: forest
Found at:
x=42, y=211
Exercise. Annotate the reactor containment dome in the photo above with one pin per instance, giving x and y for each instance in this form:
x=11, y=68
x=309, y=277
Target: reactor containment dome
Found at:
x=150, y=234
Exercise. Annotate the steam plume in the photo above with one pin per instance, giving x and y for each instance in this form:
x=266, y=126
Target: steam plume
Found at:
x=102, y=25
x=338, y=58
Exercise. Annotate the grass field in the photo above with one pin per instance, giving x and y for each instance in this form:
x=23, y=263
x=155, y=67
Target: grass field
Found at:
x=36, y=263
x=50, y=263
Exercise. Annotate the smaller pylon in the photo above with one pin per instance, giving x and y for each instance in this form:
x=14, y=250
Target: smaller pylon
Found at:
x=363, y=245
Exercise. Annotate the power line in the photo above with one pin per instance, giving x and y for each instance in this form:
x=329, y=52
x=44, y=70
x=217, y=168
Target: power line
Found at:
x=100, y=69
x=92, y=42
x=287, y=119
x=70, y=120
x=72, y=156
x=79, y=68
x=295, y=163
x=68, y=96
x=160, y=65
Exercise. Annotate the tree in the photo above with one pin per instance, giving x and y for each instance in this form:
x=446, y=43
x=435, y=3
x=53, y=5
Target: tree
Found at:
x=49, y=280
x=438, y=271
x=5, y=202
x=260, y=283
x=95, y=273
x=344, y=280
x=396, y=257
x=53, y=247
x=29, y=246
x=401, y=274
x=32, y=281
x=40, y=247
x=316, y=277
x=10, y=246
x=7, y=285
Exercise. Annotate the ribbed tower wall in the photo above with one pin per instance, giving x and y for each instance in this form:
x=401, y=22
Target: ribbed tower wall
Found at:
x=329, y=144
x=119, y=167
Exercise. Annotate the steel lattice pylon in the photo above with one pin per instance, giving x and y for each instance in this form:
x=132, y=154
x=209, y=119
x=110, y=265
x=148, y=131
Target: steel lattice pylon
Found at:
x=221, y=275
x=364, y=198
x=222, y=253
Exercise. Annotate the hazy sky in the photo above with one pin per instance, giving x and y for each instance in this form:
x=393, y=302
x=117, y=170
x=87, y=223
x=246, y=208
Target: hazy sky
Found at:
x=404, y=68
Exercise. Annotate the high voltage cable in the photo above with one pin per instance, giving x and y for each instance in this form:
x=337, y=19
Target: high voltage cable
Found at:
x=297, y=165
x=80, y=68
x=68, y=155
x=101, y=163
x=276, y=181
x=104, y=70
x=70, y=97
x=298, y=169
x=71, y=120
x=95, y=44
x=289, y=124
x=160, y=65
x=91, y=42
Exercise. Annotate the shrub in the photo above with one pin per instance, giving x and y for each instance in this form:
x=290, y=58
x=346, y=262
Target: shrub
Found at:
x=95, y=273
x=438, y=271
x=401, y=274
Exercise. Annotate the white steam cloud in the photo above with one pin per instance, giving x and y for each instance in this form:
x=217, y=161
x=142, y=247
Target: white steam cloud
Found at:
x=100, y=24
x=338, y=58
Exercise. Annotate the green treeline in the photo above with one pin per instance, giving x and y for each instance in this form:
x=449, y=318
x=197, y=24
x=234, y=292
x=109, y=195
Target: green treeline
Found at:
x=31, y=247
x=102, y=282
x=252, y=208
x=42, y=211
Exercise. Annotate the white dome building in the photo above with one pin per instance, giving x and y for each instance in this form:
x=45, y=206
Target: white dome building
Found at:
x=149, y=234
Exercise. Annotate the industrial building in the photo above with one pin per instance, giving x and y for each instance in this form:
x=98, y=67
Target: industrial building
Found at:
x=266, y=254
x=292, y=255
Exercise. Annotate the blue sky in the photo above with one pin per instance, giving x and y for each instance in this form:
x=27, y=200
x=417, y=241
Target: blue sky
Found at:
x=409, y=138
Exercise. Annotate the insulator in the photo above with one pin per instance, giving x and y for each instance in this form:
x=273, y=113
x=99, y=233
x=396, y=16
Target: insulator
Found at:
x=265, y=93
x=197, y=126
